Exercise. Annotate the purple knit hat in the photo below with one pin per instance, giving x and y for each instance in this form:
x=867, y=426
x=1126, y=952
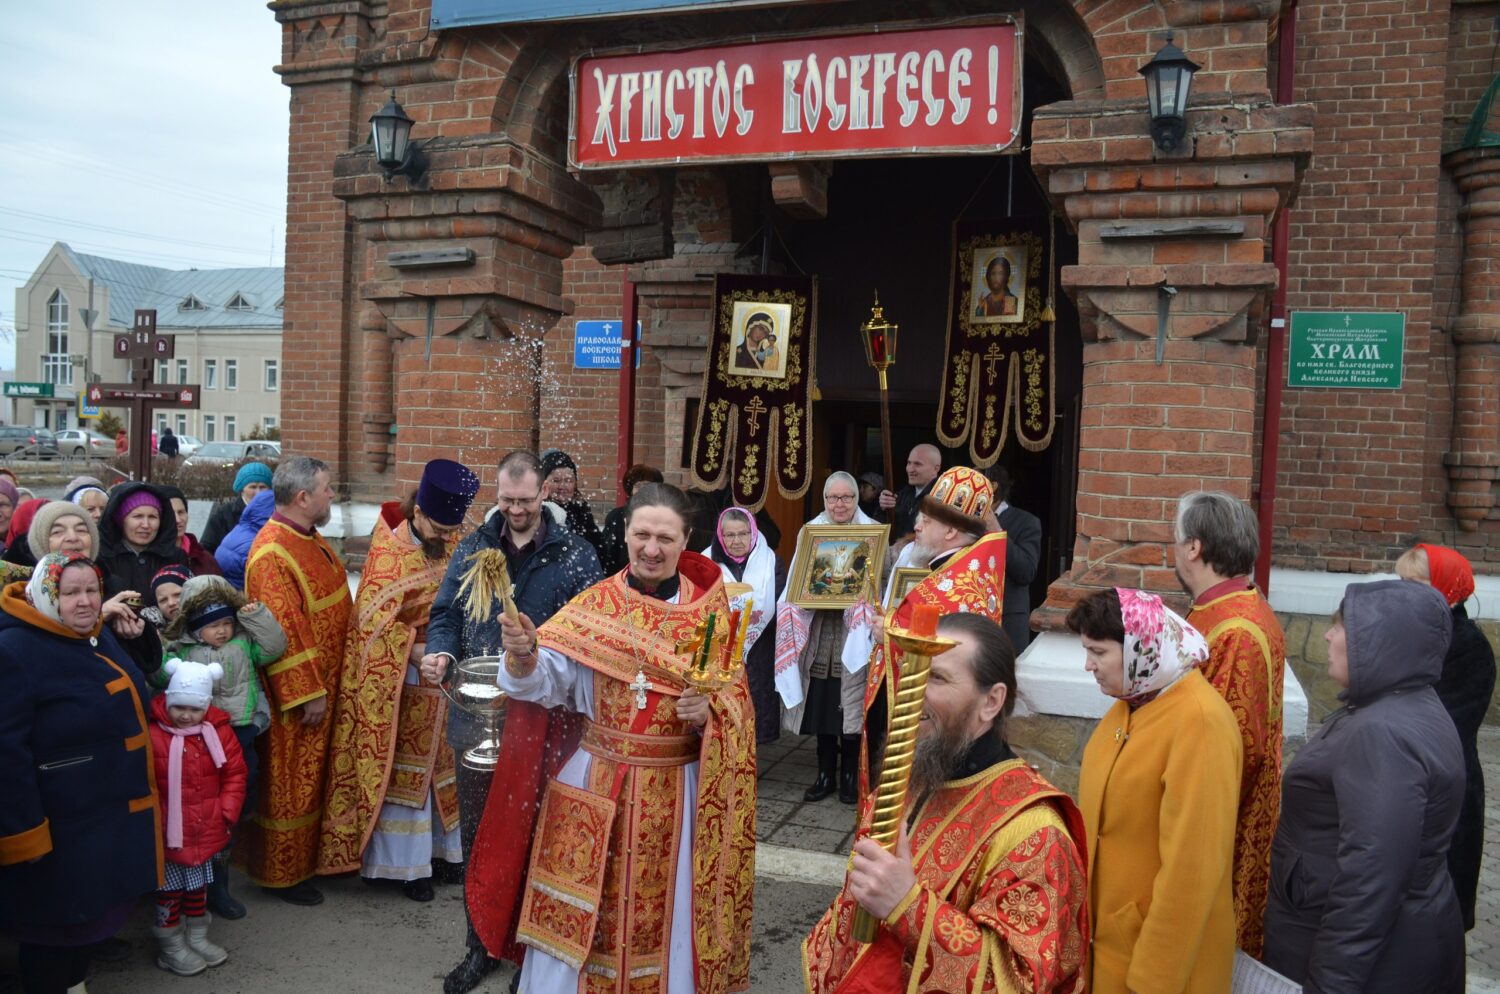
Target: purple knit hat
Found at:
x=141, y=498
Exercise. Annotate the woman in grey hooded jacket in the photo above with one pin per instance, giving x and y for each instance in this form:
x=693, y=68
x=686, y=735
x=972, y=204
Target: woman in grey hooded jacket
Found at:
x=1361, y=901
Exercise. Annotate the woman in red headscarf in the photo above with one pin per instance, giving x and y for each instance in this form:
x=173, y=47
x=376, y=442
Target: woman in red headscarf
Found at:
x=1465, y=687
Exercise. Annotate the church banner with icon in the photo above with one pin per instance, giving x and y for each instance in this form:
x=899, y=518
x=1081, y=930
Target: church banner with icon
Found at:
x=755, y=419
x=998, y=370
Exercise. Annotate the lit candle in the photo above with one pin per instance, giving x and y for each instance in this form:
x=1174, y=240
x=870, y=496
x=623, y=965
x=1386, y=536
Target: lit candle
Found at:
x=924, y=619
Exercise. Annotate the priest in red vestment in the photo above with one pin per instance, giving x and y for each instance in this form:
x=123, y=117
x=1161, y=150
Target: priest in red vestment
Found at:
x=986, y=890
x=642, y=864
x=391, y=807
x=294, y=571
x=1217, y=541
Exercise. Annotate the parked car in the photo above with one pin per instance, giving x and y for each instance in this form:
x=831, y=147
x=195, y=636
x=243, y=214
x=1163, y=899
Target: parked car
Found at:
x=188, y=444
x=77, y=442
x=229, y=453
x=28, y=442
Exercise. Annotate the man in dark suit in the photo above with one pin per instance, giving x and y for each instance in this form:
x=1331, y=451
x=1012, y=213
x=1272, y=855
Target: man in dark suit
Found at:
x=1023, y=553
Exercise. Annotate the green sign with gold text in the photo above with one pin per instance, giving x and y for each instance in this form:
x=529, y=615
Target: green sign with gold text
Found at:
x=1348, y=350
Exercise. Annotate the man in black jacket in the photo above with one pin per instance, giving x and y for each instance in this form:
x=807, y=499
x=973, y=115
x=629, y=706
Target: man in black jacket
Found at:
x=1023, y=553
x=548, y=567
x=922, y=467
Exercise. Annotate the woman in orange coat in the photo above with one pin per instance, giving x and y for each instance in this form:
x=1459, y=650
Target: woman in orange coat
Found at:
x=1159, y=789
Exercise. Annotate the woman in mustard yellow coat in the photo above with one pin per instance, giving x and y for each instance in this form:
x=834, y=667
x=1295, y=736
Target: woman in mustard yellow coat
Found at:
x=1159, y=790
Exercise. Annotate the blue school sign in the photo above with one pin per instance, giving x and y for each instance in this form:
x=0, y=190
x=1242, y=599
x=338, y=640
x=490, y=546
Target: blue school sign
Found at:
x=464, y=13
x=596, y=345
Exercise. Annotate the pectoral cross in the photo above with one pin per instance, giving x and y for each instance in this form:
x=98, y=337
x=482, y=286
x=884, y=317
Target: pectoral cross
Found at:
x=992, y=355
x=640, y=685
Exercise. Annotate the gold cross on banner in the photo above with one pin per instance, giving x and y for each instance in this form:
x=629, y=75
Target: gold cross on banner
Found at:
x=992, y=355
x=755, y=409
x=640, y=685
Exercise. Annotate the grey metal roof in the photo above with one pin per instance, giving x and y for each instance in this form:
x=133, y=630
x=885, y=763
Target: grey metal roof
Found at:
x=135, y=287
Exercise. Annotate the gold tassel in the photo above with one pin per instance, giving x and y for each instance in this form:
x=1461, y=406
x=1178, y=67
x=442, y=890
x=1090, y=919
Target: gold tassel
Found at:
x=1049, y=315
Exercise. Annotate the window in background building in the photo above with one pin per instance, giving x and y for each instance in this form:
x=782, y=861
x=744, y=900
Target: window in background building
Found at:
x=182, y=372
x=231, y=374
x=209, y=432
x=229, y=428
x=273, y=375
x=239, y=303
x=269, y=424
x=162, y=371
x=192, y=303
x=210, y=374
x=161, y=424
x=181, y=428
x=57, y=368
x=62, y=420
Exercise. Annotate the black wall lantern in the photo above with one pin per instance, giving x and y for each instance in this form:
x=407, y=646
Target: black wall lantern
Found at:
x=1169, y=76
x=395, y=152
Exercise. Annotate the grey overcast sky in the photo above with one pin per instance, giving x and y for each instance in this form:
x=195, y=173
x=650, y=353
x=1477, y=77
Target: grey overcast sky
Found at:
x=149, y=131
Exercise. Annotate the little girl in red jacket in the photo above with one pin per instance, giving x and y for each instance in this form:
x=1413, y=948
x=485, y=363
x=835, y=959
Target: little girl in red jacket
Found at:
x=200, y=780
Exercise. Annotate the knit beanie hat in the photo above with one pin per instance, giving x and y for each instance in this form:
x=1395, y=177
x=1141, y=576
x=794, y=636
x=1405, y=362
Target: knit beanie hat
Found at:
x=556, y=459
x=175, y=573
x=47, y=516
x=192, y=683
x=252, y=472
x=9, y=489
x=80, y=483
x=140, y=498
x=207, y=614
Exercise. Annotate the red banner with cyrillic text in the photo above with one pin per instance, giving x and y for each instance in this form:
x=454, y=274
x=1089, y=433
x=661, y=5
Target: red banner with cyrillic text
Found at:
x=941, y=90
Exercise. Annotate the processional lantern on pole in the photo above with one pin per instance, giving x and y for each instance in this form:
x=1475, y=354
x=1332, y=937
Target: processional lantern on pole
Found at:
x=918, y=644
x=879, y=338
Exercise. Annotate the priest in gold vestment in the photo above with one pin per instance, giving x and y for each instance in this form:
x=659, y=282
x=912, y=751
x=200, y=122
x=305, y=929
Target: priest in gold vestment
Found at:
x=644, y=858
x=392, y=807
x=294, y=571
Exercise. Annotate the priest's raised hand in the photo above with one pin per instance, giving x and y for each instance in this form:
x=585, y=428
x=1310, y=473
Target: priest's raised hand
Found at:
x=518, y=639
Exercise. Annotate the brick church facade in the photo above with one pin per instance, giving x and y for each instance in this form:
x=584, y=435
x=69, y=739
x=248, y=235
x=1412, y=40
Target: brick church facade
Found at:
x=1349, y=156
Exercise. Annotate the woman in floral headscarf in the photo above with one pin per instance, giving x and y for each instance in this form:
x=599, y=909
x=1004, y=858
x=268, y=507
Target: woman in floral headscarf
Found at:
x=78, y=837
x=1159, y=789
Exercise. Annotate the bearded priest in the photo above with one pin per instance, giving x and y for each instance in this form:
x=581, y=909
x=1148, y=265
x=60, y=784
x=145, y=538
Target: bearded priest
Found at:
x=643, y=864
x=986, y=890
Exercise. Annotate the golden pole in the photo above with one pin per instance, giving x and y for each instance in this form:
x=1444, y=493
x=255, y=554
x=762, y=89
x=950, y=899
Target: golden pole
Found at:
x=895, y=770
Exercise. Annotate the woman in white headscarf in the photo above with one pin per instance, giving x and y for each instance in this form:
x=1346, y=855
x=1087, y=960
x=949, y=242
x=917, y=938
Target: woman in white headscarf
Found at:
x=822, y=694
x=1160, y=792
x=745, y=557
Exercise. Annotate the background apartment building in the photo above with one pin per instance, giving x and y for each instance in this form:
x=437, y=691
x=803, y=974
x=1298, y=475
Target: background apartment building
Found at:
x=226, y=322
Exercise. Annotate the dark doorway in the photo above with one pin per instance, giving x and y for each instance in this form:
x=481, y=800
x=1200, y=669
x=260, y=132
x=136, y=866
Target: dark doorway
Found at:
x=890, y=228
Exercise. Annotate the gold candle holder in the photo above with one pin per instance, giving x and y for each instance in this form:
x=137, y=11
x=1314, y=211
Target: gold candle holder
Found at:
x=900, y=747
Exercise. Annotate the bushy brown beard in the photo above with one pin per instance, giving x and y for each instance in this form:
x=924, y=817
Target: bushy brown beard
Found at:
x=939, y=754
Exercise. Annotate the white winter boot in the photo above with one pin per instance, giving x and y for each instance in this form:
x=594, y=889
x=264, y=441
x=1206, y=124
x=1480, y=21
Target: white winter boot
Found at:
x=175, y=955
x=197, y=940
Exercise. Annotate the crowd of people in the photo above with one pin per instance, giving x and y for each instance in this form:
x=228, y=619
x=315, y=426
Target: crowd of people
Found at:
x=169, y=706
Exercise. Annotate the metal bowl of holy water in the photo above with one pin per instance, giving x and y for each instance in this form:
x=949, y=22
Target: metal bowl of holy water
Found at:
x=473, y=687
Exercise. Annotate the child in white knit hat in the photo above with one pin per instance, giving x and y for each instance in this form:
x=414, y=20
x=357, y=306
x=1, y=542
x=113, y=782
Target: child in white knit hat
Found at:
x=200, y=780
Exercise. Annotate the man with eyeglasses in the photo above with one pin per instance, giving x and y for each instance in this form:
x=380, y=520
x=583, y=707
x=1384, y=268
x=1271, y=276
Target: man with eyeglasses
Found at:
x=823, y=697
x=548, y=567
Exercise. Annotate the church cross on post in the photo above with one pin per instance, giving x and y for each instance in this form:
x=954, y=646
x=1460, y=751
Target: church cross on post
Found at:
x=141, y=347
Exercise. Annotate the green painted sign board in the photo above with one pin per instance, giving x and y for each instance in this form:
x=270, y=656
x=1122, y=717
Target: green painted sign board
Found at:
x=1346, y=350
x=28, y=389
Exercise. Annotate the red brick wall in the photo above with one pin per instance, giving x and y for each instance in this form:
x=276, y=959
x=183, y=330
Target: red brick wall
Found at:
x=315, y=370
x=1356, y=465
